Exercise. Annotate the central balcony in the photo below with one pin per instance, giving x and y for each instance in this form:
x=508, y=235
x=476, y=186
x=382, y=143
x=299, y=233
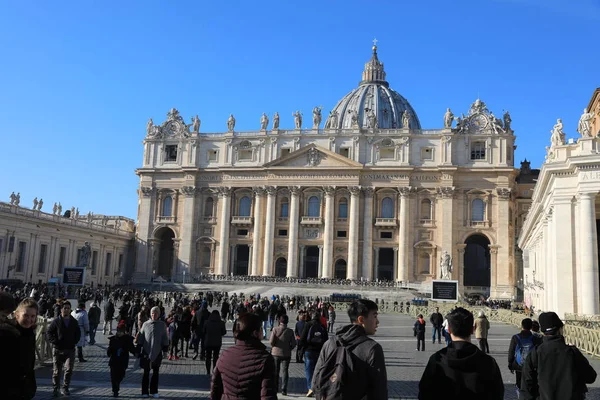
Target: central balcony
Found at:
x=237, y=220
x=385, y=222
x=209, y=220
x=166, y=220
x=311, y=221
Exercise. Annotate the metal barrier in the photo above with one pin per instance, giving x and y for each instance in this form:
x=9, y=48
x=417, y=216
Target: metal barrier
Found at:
x=43, y=349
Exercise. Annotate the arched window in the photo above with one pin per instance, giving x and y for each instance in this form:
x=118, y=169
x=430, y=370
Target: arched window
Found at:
x=314, y=207
x=206, y=257
x=167, y=208
x=208, y=207
x=244, y=209
x=343, y=208
x=387, y=208
x=425, y=263
x=425, y=209
x=284, y=208
x=477, y=210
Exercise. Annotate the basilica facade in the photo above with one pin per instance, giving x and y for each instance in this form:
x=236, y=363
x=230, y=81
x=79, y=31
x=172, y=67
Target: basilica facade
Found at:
x=366, y=194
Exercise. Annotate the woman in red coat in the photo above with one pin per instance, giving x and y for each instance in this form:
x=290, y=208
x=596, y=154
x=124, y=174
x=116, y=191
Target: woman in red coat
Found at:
x=246, y=370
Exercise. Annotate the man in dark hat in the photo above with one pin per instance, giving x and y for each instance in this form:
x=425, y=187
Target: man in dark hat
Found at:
x=554, y=370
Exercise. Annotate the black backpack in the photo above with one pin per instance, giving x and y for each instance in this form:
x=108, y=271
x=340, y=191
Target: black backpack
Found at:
x=316, y=334
x=341, y=376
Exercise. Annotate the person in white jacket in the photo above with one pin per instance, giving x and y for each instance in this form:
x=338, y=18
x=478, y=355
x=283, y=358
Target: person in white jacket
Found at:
x=84, y=326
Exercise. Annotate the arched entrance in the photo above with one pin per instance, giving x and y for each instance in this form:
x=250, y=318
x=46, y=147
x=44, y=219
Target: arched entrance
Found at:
x=281, y=267
x=477, y=261
x=340, y=269
x=166, y=253
x=311, y=262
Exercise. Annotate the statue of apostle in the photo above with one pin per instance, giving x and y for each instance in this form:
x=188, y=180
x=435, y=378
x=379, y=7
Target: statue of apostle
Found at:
x=264, y=122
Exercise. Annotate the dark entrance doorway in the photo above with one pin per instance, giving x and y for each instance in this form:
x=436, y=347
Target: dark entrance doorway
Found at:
x=311, y=262
x=281, y=267
x=477, y=261
x=385, y=269
x=165, y=253
x=242, y=257
x=340, y=269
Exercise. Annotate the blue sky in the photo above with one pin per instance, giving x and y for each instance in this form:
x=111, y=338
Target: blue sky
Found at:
x=79, y=79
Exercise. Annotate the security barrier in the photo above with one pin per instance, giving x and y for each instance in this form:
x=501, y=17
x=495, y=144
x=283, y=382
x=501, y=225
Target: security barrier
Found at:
x=43, y=349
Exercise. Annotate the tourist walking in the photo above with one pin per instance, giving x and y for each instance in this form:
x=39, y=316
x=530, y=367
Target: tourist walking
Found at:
x=213, y=332
x=119, y=347
x=314, y=335
x=84, y=326
x=521, y=344
x=245, y=370
x=63, y=334
x=152, y=339
x=94, y=319
x=419, y=331
x=109, y=314
x=300, y=322
x=185, y=325
x=331, y=319
x=555, y=370
x=481, y=327
x=436, y=319
x=369, y=377
x=282, y=342
x=461, y=370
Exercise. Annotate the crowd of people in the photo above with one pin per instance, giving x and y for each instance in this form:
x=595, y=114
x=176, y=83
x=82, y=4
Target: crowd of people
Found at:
x=340, y=360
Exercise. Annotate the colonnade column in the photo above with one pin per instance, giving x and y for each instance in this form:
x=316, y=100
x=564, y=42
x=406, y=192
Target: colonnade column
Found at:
x=328, y=232
x=588, y=258
x=292, y=261
x=301, y=272
x=269, y=232
x=367, y=260
x=352, y=272
x=187, y=240
x=224, y=223
x=376, y=249
x=403, y=220
x=259, y=194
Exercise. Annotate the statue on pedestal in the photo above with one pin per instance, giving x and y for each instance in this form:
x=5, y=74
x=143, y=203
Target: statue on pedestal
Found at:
x=316, y=117
x=72, y=212
x=40, y=204
x=13, y=197
x=584, y=126
x=333, y=120
x=372, y=119
x=264, y=122
x=297, y=119
x=77, y=213
x=276, y=121
x=18, y=199
x=54, y=208
x=507, y=122
x=35, y=203
x=196, y=124
x=149, y=125
x=448, y=118
x=90, y=217
x=558, y=135
x=446, y=266
x=406, y=119
x=84, y=258
x=230, y=123
x=59, y=208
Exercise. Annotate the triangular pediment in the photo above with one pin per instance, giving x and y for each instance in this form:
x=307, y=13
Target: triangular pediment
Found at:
x=313, y=156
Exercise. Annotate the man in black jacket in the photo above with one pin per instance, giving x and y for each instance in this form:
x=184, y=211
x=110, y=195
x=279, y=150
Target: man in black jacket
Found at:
x=554, y=370
x=94, y=320
x=436, y=325
x=109, y=314
x=314, y=335
x=461, y=370
x=64, y=334
x=526, y=339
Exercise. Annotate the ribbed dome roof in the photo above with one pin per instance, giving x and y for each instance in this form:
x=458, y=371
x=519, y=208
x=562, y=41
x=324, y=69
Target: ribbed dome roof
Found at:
x=373, y=103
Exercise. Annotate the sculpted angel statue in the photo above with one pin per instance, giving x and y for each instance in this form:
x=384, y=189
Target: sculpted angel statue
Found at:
x=584, y=126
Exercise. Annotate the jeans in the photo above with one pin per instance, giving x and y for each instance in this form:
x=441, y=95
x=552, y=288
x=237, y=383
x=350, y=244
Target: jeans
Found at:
x=212, y=354
x=483, y=345
x=330, y=327
x=437, y=329
x=147, y=365
x=310, y=362
x=285, y=363
x=270, y=322
x=93, y=328
x=116, y=377
x=60, y=359
x=447, y=337
x=109, y=324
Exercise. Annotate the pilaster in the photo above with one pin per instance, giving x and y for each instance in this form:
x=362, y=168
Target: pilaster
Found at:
x=259, y=194
x=293, y=269
x=224, y=219
x=367, y=261
x=352, y=272
x=187, y=229
x=269, y=232
x=328, y=232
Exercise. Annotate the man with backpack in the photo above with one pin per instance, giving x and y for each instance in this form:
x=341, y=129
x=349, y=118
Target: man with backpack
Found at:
x=314, y=335
x=521, y=345
x=352, y=365
x=555, y=370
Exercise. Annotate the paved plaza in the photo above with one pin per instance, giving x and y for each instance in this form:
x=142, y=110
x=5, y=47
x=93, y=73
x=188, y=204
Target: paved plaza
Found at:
x=186, y=378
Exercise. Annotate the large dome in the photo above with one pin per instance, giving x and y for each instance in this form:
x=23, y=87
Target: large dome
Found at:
x=373, y=104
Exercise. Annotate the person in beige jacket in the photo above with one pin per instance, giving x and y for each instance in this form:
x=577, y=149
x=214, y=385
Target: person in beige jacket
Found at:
x=481, y=327
x=282, y=343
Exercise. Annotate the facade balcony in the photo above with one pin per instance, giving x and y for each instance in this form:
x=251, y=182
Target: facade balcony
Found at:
x=283, y=219
x=385, y=222
x=238, y=220
x=479, y=224
x=427, y=222
x=166, y=220
x=311, y=221
x=209, y=220
x=341, y=220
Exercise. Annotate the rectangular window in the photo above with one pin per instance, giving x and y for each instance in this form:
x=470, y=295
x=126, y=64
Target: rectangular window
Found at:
x=11, y=244
x=242, y=232
x=62, y=256
x=21, y=257
x=171, y=152
x=42, y=262
x=245, y=155
x=120, y=266
x=342, y=234
x=282, y=232
x=285, y=152
x=385, y=235
x=478, y=151
x=284, y=210
x=94, y=262
x=213, y=155
x=345, y=151
x=107, y=266
x=427, y=154
x=387, y=154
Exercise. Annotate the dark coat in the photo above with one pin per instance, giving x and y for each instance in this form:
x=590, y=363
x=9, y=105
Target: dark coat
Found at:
x=245, y=371
x=512, y=362
x=436, y=319
x=62, y=337
x=109, y=311
x=118, y=350
x=213, y=331
x=370, y=355
x=461, y=371
x=199, y=320
x=94, y=315
x=17, y=346
x=311, y=347
x=556, y=371
x=27, y=362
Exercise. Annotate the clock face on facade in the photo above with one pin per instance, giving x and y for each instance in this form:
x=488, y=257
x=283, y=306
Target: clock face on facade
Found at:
x=478, y=122
x=173, y=128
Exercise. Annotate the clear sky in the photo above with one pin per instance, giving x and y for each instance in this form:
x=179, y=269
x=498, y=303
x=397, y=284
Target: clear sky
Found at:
x=79, y=79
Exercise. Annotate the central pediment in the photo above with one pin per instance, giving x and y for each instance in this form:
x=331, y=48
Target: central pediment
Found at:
x=313, y=156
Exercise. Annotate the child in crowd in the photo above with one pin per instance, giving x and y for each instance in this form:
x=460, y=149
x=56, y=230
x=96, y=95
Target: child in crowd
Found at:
x=119, y=347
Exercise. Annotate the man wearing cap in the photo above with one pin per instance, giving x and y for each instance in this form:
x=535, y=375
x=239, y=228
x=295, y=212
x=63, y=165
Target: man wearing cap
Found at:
x=554, y=370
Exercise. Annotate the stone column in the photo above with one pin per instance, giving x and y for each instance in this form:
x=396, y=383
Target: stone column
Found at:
x=224, y=223
x=259, y=194
x=174, y=269
x=446, y=196
x=301, y=271
x=376, y=263
x=403, y=221
x=251, y=262
x=396, y=266
x=187, y=228
x=320, y=266
x=367, y=261
x=328, y=232
x=143, y=265
x=270, y=232
x=505, y=268
x=232, y=259
x=294, y=214
x=493, y=267
x=588, y=258
x=352, y=272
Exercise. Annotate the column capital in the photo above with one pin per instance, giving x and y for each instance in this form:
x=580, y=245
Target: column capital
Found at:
x=395, y=249
x=329, y=190
x=224, y=191
x=302, y=246
x=504, y=193
x=586, y=195
x=445, y=192
x=405, y=191
x=271, y=190
x=295, y=190
x=368, y=191
x=354, y=190
x=320, y=246
x=493, y=248
x=188, y=191
x=147, y=190
x=258, y=191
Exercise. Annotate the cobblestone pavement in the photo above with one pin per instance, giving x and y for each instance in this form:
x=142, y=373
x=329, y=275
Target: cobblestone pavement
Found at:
x=186, y=378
